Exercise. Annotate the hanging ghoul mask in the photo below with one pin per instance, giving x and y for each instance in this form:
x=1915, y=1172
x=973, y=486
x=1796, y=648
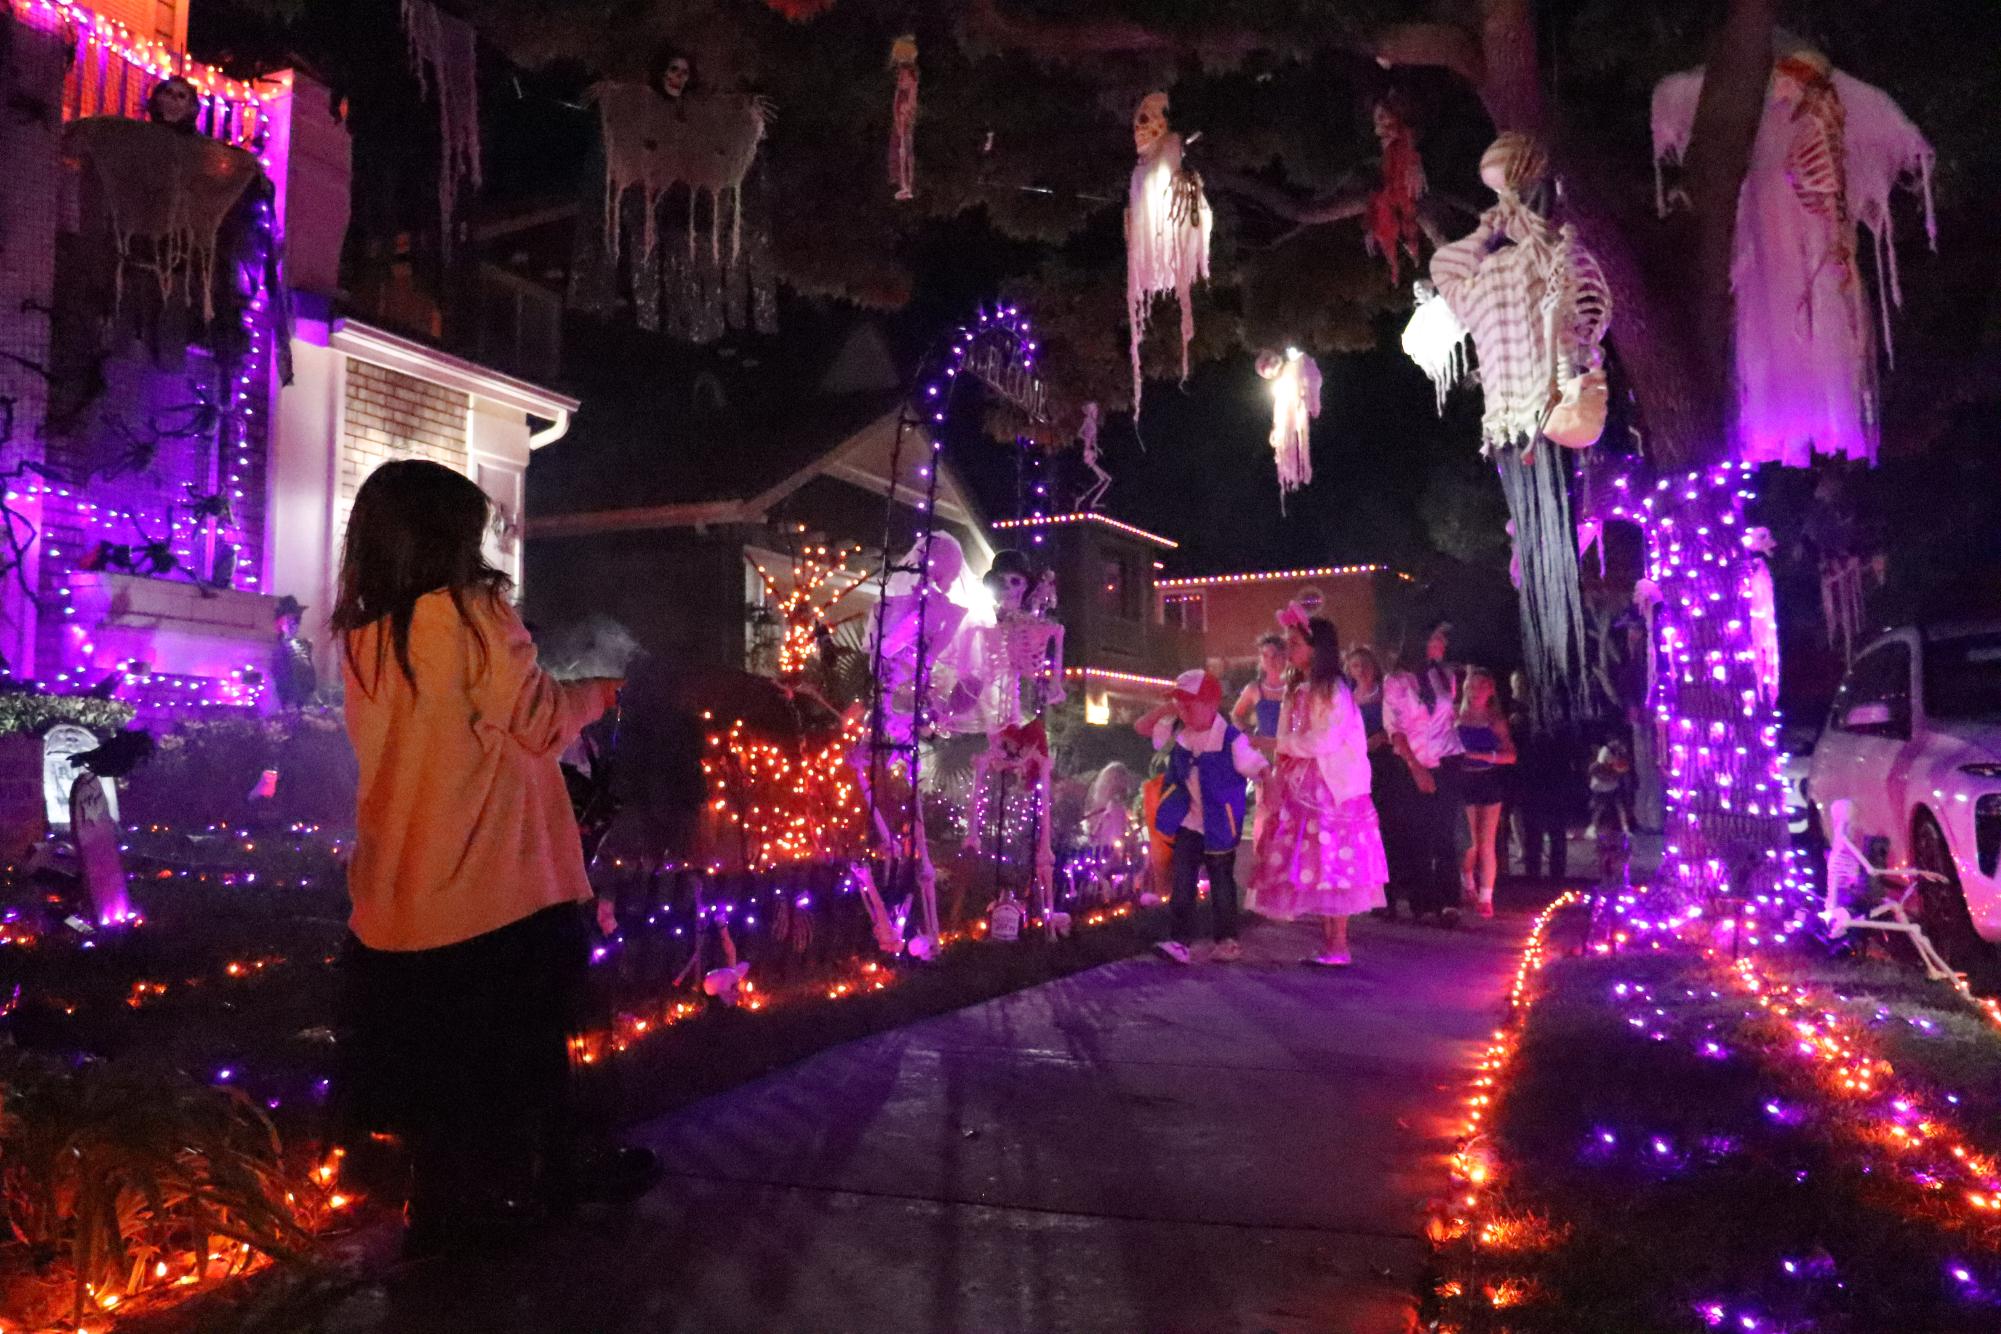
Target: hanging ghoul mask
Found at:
x=1149, y=123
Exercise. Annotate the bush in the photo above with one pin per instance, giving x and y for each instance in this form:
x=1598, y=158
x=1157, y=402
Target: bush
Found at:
x=205, y=772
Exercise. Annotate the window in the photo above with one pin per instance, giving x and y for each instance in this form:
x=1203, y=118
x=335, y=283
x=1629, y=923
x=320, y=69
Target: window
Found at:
x=1184, y=611
x=1875, y=699
x=1112, y=584
x=1963, y=679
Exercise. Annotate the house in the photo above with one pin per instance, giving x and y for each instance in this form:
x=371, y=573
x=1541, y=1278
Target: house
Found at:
x=664, y=502
x=1227, y=612
x=179, y=451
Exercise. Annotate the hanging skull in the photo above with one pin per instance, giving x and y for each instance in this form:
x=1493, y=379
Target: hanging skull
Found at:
x=672, y=73
x=1009, y=580
x=174, y=104
x=1150, y=123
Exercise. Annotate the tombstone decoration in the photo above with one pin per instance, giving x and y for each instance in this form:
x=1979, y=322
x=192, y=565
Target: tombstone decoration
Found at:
x=61, y=745
x=94, y=827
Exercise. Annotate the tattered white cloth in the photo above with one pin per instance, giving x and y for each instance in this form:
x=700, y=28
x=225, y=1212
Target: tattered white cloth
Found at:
x=1830, y=151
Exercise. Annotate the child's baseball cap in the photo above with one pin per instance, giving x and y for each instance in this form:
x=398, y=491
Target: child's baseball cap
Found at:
x=1197, y=686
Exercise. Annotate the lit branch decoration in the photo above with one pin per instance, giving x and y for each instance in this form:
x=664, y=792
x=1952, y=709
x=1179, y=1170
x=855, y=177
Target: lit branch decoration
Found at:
x=787, y=804
x=802, y=609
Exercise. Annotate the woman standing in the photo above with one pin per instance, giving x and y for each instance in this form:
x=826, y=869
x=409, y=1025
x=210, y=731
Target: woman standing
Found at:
x=1321, y=853
x=464, y=972
x=1256, y=710
x=1419, y=713
x=1488, y=746
x=1365, y=679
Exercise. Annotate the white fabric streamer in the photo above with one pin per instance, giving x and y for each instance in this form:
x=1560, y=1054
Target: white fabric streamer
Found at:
x=444, y=55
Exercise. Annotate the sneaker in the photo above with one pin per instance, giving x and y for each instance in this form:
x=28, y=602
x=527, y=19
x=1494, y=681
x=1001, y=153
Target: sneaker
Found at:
x=1332, y=959
x=1486, y=907
x=1175, y=950
x=1226, y=951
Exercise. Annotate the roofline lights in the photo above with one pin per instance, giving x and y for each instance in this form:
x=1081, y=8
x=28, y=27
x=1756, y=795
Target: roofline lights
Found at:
x=1089, y=516
x=1274, y=576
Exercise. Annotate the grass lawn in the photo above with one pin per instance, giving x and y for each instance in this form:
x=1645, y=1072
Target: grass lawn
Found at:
x=1669, y=1160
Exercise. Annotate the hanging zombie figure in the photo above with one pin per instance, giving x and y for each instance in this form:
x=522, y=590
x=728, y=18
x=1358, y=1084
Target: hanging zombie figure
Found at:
x=175, y=104
x=1101, y=481
x=903, y=117
x=294, y=678
x=1295, y=402
x=678, y=156
x=1392, y=229
x=1764, y=614
x=1830, y=151
x=1168, y=223
x=1537, y=307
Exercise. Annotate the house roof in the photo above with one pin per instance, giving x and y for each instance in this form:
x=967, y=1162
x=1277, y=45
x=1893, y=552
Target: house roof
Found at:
x=669, y=425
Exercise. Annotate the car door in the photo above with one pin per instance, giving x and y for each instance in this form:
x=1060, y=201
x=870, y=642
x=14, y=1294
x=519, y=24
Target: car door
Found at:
x=1868, y=735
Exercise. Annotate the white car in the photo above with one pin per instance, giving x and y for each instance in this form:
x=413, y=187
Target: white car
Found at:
x=1914, y=741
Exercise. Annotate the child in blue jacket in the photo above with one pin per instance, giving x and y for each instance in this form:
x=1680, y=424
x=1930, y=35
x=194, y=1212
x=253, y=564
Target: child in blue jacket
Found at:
x=1209, y=765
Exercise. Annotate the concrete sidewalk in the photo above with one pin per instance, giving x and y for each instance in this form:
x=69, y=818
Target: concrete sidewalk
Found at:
x=1142, y=1147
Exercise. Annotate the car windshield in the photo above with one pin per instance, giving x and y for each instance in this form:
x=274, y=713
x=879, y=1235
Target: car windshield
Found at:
x=1963, y=678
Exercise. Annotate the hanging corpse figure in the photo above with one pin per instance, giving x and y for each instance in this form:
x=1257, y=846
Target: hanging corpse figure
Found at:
x=1017, y=669
x=1087, y=438
x=1168, y=223
x=1295, y=400
x=1829, y=152
x=903, y=117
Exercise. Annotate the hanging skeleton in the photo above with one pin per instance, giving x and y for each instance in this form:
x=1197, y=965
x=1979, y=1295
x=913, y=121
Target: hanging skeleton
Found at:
x=1295, y=399
x=1537, y=308
x=1829, y=153
x=1167, y=230
x=1392, y=228
x=444, y=55
x=903, y=117
x=1763, y=611
x=1087, y=437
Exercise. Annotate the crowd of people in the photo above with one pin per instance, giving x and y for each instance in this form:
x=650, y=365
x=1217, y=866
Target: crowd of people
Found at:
x=1390, y=792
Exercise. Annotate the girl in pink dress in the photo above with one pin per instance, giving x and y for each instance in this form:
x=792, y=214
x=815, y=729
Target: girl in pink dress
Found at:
x=1321, y=852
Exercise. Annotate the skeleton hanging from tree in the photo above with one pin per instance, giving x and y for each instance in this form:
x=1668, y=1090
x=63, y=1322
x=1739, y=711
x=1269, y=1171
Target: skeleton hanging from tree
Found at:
x=1537, y=307
x=1829, y=153
x=1295, y=399
x=1764, y=613
x=1092, y=495
x=1168, y=223
x=1391, y=226
x=903, y=117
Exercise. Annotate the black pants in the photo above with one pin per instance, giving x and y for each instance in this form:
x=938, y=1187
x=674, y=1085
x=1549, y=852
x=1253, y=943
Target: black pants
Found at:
x=463, y=1051
x=1190, y=853
x=1543, y=831
x=1427, y=843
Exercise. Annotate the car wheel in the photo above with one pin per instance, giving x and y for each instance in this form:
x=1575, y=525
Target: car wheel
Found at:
x=1942, y=907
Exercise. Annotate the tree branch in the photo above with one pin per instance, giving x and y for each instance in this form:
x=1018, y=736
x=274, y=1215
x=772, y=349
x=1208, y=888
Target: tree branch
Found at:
x=1347, y=201
x=1436, y=44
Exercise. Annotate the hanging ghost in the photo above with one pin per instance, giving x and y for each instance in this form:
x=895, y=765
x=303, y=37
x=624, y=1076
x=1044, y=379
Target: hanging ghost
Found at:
x=1537, y=308
x=1101, y=481
x=1829, y=153
x=1295, y=401
x=1436, y=341
x=1391, y=229
x=655, y=141
x=903, y=117
x=1168, y=223
x=444, y=55
x=1764, y=613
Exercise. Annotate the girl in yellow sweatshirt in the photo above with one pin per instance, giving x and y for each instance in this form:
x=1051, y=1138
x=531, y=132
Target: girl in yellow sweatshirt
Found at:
x=465, y=970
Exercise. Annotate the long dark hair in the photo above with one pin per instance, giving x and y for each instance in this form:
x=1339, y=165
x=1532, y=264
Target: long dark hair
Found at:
x=1323, y=674
x=416, y=528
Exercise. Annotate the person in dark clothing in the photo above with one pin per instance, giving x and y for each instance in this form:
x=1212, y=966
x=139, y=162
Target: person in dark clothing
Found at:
x=1546, y=795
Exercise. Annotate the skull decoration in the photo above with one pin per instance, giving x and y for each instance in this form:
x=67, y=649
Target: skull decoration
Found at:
x=1269, y=365
x=1009, y=580
x=672, y=73
x=174, y=104
x=1150, y=123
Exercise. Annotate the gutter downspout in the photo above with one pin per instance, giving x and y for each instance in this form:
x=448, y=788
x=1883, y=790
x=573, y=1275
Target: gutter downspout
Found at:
x=551, y=433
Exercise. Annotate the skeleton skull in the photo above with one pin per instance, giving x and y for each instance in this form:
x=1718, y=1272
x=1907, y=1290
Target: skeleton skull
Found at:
x=674, y=76
x=173, y=103
x=1150, y=123
x=1010, y=590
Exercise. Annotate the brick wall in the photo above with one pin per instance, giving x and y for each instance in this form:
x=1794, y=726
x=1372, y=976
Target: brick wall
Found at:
x=395, y=416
